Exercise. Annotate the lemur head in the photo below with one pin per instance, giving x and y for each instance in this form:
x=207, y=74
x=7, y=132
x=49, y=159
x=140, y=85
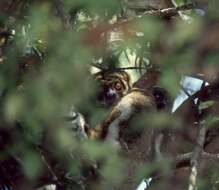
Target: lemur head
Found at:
x=112, y=86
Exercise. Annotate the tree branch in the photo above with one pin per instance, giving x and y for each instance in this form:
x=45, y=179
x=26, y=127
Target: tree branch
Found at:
x=187, y=157
x=64, y=16
x=170, y=12
x=196, y=157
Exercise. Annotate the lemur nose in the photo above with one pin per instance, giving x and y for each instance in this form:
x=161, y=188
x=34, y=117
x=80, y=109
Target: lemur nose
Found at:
x=111, y=92
x=111, y=95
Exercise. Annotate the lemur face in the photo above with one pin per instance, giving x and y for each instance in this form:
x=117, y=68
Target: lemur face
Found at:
x=112, y=86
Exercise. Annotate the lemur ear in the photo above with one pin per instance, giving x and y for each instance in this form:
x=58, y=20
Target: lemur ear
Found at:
x=127, y=78
x=94, y=70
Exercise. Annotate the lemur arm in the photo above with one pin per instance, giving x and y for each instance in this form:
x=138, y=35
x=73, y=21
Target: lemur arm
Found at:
x=121, y=113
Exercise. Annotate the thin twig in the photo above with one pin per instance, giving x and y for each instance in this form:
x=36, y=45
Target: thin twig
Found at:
x=188, y=156
x=167, y=12
x=173, y=11
x=55, y=178
x=99, y=66
x=129, y=68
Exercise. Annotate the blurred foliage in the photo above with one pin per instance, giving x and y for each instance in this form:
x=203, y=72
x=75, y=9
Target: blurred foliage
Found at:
x=46, y=69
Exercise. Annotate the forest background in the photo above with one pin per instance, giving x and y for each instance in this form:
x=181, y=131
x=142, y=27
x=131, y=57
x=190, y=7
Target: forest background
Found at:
x=49, y=51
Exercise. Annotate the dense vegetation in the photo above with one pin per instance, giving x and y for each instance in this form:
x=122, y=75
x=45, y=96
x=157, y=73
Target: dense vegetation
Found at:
x=48, y=51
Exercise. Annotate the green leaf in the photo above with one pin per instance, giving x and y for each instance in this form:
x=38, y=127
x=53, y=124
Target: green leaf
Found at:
x=207, y=104
x=31, y=164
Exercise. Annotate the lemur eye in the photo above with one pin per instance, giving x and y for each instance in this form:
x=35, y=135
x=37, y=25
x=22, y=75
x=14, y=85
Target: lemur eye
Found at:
x=118, y=86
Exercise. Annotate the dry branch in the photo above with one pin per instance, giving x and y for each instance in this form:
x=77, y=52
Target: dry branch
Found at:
x=170, y=12
x=187, y=157
x=196, y=157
